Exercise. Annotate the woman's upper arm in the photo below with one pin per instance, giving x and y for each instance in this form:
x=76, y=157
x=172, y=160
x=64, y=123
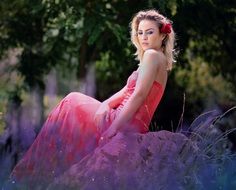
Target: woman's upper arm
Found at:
x=147, y=74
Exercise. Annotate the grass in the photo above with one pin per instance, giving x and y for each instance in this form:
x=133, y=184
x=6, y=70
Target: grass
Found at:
x=215, y=165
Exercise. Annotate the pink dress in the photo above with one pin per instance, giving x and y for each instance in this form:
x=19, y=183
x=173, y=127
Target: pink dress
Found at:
x=70, y=133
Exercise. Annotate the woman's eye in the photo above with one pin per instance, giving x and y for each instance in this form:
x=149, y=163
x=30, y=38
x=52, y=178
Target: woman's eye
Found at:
x=140, y=33
x=149, y=32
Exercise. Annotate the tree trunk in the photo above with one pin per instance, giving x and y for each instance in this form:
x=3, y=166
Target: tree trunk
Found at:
x=88, y=83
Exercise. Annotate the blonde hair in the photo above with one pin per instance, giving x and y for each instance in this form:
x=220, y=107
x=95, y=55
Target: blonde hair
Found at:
x=167, y=43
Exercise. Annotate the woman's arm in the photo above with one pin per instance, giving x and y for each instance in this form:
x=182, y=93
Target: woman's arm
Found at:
x=115, y=99
x=152, y=60
x=105, y=106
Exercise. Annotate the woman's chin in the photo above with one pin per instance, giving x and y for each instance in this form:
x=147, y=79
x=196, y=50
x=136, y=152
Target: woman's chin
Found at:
x=145, y=48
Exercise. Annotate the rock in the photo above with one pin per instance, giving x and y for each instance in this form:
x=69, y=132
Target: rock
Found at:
x=155, y=160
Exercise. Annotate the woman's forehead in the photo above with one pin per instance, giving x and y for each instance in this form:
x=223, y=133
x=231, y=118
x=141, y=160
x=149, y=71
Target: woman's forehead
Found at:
x=146, y=24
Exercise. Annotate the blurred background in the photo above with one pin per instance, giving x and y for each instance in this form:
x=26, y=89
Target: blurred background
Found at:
x=49, y=48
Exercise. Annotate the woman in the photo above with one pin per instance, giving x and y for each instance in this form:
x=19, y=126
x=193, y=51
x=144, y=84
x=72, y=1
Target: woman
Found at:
x=79, y=123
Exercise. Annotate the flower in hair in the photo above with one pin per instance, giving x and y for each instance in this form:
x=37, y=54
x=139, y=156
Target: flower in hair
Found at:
x=166, y=28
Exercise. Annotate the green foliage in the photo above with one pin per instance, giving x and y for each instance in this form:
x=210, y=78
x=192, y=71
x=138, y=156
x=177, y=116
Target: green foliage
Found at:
x=201, y=84
x=210, y=25
x=109, y=71
x=2, y=111
x=10, y=87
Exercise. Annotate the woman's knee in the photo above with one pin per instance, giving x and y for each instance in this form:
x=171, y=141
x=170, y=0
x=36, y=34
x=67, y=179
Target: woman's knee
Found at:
x=75, y=99
x=72, y=95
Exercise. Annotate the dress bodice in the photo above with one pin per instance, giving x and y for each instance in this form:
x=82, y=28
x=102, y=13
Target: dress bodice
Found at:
x=144, y=114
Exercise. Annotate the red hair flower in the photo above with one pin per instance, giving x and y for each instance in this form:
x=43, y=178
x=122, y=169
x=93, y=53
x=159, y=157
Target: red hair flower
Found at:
x=166, y=28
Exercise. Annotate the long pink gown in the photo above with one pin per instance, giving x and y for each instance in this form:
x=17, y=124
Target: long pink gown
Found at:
x=70, y=133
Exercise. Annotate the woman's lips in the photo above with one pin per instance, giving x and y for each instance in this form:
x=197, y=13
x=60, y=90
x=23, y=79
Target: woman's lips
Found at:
x=145, y=43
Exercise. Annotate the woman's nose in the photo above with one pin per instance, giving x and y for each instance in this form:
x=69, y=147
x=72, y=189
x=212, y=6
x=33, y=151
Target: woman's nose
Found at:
x=144, y=36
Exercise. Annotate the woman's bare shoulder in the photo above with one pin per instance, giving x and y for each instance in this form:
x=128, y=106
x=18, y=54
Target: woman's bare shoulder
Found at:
x=154, y=56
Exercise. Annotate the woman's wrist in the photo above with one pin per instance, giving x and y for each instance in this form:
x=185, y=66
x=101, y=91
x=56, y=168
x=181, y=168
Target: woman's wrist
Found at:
x=116, y=124
x=114, y=127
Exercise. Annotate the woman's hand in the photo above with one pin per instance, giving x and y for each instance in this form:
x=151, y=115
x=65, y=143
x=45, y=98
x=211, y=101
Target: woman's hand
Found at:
x=101, y=115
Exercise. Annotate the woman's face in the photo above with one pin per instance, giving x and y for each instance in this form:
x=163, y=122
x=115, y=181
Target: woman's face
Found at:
x=149, y=35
